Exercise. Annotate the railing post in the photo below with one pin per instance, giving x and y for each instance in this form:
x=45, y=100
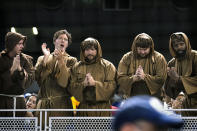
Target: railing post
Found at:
x=40, y=120
x=14, y=112
x=45, y=115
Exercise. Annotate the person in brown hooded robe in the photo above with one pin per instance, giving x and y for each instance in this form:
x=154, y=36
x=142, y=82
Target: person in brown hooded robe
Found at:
x=142, y=70
x=182, y=71
x=93, y=79
x=52, y=74
x=16, y=73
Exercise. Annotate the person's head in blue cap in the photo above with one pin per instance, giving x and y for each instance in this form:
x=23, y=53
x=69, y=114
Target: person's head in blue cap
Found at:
x=144, y=113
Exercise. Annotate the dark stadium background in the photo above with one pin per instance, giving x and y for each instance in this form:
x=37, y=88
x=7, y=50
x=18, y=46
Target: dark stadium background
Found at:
x=114, y=23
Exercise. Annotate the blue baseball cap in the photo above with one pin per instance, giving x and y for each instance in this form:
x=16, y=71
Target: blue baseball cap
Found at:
x=27, y=95
x=146, y=108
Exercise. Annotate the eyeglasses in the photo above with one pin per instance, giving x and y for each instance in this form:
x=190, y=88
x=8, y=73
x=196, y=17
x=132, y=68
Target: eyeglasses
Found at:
x=65, y=39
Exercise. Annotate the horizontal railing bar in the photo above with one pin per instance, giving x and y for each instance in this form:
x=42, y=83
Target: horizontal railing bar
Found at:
x=58, y=110
x=84, y=110
x=12, y=95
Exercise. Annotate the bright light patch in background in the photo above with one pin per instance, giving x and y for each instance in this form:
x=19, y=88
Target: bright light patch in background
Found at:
x=35, y=31
x=13, y=29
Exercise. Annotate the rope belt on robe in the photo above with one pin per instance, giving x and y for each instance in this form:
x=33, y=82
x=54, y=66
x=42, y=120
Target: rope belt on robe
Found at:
x=48, y=100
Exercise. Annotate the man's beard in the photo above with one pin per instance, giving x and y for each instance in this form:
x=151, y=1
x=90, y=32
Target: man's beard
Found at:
x=90, y=60
x=180, y=53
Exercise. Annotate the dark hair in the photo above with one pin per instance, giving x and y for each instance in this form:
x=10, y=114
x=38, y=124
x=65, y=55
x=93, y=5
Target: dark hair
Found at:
x=89, y=43
x=177, y=38
x=60, y=32
x=33, y=94
x=12, y=38
x=143, y=42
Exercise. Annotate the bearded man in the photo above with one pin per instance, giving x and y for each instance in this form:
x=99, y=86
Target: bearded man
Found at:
x=93, y=79
x=182, y=71
x=142, y=71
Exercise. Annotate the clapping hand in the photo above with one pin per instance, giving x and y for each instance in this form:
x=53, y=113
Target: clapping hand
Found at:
x=60, y=57
x=45, y=50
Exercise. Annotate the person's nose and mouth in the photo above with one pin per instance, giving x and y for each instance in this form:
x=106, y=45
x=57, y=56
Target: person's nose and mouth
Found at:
x=90, y=56
x=180, y=50
x=143, y=53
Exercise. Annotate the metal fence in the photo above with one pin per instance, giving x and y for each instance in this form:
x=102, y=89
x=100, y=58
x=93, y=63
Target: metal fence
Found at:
x=18, y=123
x=71, y=123
x=80, y=123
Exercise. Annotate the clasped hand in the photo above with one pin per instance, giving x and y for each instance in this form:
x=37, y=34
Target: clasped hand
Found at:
x=16, y=64
x=171, y=71
x=139, y=74
x=89, y=80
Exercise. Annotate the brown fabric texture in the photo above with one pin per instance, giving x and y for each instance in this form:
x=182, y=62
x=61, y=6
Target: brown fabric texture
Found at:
x=53, y=81
x=16, y=83
x=95, y=97
x=187, y=70
x=154, y=66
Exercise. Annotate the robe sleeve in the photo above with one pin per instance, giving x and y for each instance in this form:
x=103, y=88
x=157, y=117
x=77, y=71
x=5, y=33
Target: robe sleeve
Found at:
x=156, y=81
x=124, y=79
x=190, y=82
x=171, y=87
x=29, y=70
x=62, y=73
x=41, y=72
x=104, y=90
x=76, y=86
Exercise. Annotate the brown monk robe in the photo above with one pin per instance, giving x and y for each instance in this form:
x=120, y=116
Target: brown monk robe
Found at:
x=93, y=79
x=52, y=74
x=16, y=73
x=182, y=71
x=151, y=65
